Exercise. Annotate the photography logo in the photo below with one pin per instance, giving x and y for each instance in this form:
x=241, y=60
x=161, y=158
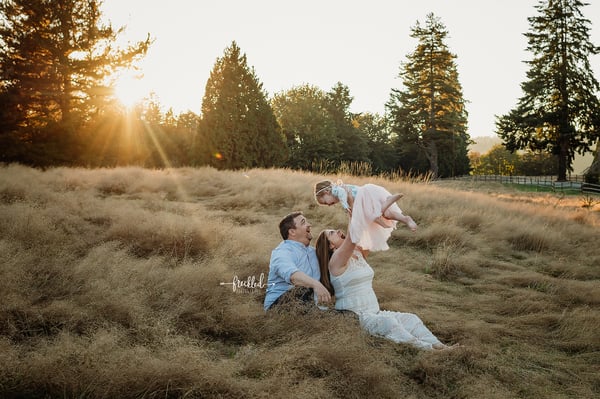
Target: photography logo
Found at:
x=249, y=284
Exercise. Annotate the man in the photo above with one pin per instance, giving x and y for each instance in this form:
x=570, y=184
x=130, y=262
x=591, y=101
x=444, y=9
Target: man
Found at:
x=294, y=268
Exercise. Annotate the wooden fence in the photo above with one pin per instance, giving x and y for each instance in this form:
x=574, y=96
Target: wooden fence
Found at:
x=574, y=183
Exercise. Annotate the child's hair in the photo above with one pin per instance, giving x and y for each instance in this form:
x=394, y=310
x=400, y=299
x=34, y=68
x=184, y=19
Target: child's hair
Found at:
x=322, y=187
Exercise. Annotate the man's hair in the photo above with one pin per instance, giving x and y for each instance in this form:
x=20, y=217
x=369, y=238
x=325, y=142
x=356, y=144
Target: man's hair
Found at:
x=288, y=223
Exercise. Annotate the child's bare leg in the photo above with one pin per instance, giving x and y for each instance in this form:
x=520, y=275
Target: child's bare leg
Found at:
x=399, y=216
x=389, y=201
x=384, y=222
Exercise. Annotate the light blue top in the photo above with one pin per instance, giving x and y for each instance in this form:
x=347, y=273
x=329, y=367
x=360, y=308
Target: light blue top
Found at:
x=287, y=258
x=338, y=191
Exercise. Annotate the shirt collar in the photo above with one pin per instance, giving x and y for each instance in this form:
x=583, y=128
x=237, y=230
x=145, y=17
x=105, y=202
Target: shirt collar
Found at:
x=296, y=243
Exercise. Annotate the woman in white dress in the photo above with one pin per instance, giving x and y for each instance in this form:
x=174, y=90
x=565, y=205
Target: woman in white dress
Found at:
x=347, y=275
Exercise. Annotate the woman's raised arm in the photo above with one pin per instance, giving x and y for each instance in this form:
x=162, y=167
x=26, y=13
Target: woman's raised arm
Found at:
x=341, y=255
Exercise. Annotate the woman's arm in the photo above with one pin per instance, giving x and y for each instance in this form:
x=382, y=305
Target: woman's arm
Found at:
x=340, y=257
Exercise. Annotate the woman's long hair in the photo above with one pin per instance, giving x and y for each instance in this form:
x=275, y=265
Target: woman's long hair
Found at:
x=324, y=253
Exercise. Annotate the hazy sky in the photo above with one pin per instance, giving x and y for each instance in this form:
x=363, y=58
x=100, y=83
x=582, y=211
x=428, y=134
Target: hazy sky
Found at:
x=356, y=42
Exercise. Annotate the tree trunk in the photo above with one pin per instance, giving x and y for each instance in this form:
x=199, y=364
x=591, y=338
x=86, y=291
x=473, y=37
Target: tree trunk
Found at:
x=563, y=157
x=432, y=156
x=594, y=168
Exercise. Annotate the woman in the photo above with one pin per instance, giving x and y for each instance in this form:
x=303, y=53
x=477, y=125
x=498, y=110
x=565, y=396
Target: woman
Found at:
x=347, y=275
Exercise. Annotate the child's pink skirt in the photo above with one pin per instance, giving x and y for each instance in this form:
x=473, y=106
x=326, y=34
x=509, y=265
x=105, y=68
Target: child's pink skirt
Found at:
x=366, y=208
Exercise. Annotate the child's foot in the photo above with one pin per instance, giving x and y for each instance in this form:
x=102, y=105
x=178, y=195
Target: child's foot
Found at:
x=389, y=201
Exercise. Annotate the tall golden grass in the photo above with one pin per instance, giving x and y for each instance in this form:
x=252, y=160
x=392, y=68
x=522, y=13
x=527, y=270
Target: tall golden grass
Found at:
x=110, y=286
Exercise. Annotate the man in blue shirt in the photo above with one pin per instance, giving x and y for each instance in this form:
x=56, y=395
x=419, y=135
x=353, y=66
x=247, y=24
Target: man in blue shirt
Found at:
x=294, y=264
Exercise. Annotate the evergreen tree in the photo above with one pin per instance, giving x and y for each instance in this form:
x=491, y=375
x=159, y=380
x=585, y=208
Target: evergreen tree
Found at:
x=238, y=127
x=382, y=153
x=352, y=143
x=309, y=128
x=559, y=111
x=55, y=56
x=429, y=116
x=188, y=124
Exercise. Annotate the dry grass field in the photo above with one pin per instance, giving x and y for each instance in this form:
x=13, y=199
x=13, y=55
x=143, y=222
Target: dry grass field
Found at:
x=110, y=287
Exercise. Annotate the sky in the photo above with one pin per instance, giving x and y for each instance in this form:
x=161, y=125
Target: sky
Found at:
x=360, y=43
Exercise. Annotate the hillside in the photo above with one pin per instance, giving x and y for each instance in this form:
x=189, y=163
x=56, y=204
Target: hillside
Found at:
x=484, y=143
x=116, y=283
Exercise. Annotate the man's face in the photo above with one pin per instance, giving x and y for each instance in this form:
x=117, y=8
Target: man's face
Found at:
x=301, y=232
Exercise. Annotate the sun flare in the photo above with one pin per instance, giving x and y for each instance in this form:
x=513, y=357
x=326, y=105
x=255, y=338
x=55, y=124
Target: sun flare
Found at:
x=130, y=89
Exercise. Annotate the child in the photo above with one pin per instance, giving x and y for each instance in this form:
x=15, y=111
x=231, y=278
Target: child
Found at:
x=373, y=211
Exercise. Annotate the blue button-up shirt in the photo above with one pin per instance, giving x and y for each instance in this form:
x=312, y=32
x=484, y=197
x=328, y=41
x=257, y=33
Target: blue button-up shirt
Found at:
x=287, y=258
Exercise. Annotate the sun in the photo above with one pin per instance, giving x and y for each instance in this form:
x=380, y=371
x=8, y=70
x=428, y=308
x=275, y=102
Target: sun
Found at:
x=130, y=88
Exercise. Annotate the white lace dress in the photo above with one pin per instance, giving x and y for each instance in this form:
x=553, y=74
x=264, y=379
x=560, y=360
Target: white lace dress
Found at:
x=366, y=208
x=354, y=291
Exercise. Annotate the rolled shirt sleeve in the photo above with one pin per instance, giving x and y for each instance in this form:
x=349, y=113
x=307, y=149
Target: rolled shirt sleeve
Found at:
x=283, y=265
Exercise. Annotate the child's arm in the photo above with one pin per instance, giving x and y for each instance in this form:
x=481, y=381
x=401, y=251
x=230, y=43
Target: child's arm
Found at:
x=351, y=191
x=340, y=193
x=365, y=252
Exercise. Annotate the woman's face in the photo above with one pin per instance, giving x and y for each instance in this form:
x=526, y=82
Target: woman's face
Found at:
x=335, y=238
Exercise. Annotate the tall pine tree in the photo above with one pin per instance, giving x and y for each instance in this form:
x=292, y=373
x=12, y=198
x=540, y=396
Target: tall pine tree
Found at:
x=559, y=111
x=352, y=142
x=55, y=56
x=238, y=128
x=429, y=116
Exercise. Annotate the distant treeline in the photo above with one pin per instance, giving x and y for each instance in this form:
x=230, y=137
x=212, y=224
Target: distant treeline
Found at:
x=57, y=105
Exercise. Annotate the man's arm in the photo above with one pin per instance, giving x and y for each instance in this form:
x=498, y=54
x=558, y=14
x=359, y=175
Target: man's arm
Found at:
x=304, y=280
